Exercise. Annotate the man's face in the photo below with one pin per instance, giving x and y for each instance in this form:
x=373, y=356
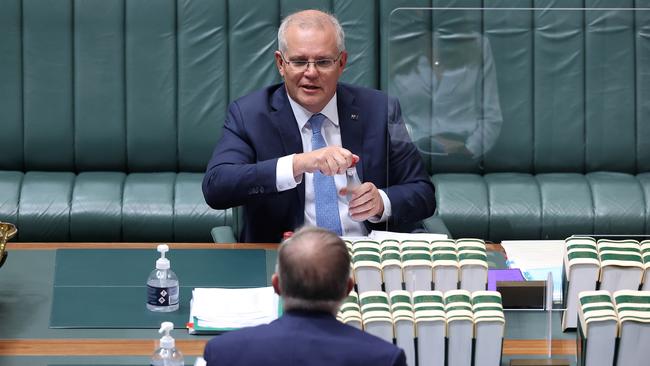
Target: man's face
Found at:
x=312, y=88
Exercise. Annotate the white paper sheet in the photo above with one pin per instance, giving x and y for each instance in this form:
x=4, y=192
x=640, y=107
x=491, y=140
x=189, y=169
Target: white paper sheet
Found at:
x=536, y=258
x=234, y=308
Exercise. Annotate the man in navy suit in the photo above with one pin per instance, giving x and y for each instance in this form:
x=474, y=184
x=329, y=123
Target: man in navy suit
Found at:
x=313, y=277
x=270, y=159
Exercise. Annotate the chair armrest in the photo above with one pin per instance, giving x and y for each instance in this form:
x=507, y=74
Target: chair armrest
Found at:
x=435, y=225
x=223, y=234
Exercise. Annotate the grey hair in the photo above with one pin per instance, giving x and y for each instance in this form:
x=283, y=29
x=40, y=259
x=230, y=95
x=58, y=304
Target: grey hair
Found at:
x=309, y=21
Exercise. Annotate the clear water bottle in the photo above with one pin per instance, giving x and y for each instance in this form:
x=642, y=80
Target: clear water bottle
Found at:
x=167, y=354
x=162, y=285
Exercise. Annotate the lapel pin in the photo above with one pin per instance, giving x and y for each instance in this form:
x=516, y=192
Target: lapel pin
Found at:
x=354, y=116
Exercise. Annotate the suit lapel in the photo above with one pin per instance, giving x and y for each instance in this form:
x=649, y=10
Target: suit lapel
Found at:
x=351, y=122
x=285, y=122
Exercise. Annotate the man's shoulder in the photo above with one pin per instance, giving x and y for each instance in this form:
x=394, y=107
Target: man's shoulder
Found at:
x=236, y=336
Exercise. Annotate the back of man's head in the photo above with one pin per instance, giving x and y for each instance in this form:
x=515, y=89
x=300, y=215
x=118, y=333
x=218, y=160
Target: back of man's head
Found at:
x=313, y=270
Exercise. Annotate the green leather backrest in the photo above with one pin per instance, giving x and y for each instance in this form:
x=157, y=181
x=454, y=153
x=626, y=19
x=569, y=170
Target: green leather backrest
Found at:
x=142, y=86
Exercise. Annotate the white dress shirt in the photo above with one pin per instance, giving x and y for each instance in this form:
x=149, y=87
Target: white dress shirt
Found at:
x=332, y=134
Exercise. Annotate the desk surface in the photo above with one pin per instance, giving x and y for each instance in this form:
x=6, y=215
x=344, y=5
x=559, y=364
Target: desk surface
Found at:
x=26, y=290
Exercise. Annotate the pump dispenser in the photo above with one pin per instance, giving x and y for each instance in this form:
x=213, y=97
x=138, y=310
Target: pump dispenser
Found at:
x=162, y=262
x=162, y=285
x=167, y=354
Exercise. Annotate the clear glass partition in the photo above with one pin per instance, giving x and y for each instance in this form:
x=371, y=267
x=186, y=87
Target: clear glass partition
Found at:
x=525, y=90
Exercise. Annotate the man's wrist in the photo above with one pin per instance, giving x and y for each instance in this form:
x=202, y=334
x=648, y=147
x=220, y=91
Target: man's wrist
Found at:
x=284, y=177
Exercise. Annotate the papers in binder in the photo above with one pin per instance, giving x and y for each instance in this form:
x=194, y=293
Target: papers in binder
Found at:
x=215, y=310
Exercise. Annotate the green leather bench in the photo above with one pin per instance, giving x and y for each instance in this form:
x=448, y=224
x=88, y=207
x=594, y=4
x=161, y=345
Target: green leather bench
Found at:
x=111, y=108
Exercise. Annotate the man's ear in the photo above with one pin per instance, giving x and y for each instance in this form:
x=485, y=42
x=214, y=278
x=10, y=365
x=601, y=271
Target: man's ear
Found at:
x=279, y=63
x=275, y=281
x=342, y=62
x=350, y=285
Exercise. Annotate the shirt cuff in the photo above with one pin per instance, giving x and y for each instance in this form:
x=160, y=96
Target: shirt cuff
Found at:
x=284, y=179
x=387, y=209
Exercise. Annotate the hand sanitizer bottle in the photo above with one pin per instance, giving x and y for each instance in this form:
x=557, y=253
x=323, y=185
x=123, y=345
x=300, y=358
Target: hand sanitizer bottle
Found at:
x=162, y=285
x=167, y=354
x=353, y=181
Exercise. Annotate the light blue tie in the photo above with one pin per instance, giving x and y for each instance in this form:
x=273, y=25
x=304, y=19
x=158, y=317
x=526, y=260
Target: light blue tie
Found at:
x=327, y=209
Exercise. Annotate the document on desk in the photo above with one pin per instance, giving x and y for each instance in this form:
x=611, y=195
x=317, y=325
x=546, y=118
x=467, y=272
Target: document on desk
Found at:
x=215, y=310
x=536, y=258
x=378, y=236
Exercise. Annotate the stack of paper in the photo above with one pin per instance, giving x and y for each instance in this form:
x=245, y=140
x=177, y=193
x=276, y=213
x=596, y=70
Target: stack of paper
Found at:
x=376, y=315
x=403, y=323
x=455, y=328
x=383, y=235
x=603, y=317
x=391, y=265
x=431, y=327
x=366, y=262
x=489, y=327
x=633, y=308
x=621, y=264
x=597, y=328
x=417, y=265
x=581, y=269
x=536, y=258
x=472, y=260
x=350, y=311
x=215, y=310
x=645, y=252
x=460, y=327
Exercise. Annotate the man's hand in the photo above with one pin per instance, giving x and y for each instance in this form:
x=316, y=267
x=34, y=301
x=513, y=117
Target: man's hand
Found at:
x=365, y=203
x=329, y=160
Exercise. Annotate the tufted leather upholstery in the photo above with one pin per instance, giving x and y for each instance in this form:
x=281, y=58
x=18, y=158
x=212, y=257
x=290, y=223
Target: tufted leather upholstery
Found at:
x=111, y=108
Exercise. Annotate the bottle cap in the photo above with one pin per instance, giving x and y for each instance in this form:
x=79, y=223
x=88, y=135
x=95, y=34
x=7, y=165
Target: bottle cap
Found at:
x=162, y=262
x=355, y=160
x=166, y=341
x=286, y=235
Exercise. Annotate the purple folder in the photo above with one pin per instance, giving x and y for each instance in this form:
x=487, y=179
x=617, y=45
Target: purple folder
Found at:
x=494, y=275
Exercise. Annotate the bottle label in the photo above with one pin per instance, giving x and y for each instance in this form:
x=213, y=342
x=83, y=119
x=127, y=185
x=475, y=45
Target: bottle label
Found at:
x=162, y=296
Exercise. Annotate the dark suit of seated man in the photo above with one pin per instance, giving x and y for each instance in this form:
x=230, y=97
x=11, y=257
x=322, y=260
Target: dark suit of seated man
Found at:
x=313, y=277
x=285, y=149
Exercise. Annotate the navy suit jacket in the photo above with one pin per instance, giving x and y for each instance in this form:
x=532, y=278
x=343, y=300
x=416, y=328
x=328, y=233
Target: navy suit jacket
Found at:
x=261, y=127
x=302, y=338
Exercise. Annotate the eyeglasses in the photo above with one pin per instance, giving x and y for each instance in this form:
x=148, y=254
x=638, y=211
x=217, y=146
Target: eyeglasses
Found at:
x=325, y=64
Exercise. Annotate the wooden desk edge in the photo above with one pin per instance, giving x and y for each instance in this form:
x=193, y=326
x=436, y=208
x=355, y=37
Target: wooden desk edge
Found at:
x=194, y=347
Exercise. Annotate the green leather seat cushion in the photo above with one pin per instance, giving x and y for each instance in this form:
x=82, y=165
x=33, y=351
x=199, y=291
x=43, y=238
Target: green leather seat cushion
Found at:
x=109, y=206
